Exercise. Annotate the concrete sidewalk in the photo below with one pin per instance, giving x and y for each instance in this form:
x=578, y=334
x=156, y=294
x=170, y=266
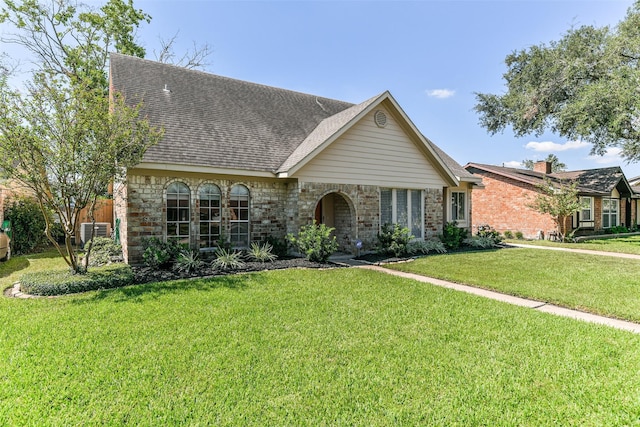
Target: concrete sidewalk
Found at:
x=578, y=251
x=522, y=302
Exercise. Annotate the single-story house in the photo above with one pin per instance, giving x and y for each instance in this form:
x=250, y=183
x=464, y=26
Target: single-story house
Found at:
x=241, y=161
x=607, y=200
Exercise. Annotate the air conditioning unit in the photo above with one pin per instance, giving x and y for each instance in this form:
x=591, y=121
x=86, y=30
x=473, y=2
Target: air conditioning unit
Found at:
x=102, y=229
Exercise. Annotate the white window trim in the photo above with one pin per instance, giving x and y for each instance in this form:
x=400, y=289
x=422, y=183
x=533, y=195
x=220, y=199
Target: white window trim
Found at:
x=394, y=208
x=590, y=222
x=461, y=222
x=609, y=211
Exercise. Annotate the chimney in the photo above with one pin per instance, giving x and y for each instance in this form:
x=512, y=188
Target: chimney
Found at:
x=542, y=167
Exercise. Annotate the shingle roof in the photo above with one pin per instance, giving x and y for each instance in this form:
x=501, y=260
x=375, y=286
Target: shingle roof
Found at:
x=216, y=121
x=599, y=181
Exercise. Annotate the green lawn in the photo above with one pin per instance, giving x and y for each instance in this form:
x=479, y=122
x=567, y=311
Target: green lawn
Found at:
x=305, y=347
x=602, y=285
x=629, y=245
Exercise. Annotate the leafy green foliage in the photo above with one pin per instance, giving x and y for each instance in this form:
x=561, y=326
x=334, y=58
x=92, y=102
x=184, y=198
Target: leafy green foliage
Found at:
x=226, y=260
x=160, y=254
x=559, y=200
x=60, y=282
x=582, y=87
x=27, y=224
x=508, y=234
x=64, y=138
x=393, y=240
x=425, y=247
x=104, y=251
x=280, y=246
x=618, y=229
x=261, y=253
x=315, y=242
x=453, y=236
x=519, y=235
x=188, y=261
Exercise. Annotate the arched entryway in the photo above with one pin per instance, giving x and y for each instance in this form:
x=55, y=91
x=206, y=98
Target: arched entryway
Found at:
x=335, y=210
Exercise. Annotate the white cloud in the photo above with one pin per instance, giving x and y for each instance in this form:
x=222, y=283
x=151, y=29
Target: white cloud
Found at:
x=612, y=156
x=549, y=146
x=441, y=93
x=512, y=164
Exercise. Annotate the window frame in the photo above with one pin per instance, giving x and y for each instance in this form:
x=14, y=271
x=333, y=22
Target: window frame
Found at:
x=180, y=220
x=454, y=208
x=610, y=213
x=403, y=217
x=586, y=205
x=210, y=216
x=239, y=216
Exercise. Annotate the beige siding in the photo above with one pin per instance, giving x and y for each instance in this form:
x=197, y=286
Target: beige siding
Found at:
x=369, y=155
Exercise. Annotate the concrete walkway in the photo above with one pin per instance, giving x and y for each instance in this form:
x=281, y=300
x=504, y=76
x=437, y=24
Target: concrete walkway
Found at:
x=578, y=251
x=522, y=302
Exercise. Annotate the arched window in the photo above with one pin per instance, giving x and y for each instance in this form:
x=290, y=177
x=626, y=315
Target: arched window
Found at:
x=209, y=215
x=178, y=212
x=239, y=216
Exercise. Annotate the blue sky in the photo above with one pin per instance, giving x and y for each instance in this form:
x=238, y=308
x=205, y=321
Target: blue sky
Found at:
x=431, y=55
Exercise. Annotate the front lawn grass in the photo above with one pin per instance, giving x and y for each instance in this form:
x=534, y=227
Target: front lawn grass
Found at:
x=307, y=347
x=597, y=284
x=627, y=245
x=11, y=270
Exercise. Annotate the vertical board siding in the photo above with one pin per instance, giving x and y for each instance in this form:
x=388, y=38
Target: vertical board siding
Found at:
x=369, y=155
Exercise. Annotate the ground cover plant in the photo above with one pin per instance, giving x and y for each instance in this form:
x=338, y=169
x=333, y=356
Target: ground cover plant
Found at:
x=627, y=244
x=601, y=285
x=307, y=347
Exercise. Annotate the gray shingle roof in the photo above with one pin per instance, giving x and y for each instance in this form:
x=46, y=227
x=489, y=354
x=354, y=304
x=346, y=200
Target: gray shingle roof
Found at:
x=216, y=121
x=599, y=181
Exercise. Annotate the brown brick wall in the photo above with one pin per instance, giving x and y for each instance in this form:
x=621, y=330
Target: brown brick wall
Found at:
x=503, y=204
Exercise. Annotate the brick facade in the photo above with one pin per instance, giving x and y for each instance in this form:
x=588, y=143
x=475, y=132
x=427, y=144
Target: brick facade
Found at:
x=503, y=204
x=277, y=207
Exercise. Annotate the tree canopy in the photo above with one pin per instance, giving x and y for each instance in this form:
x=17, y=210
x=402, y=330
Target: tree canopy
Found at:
x=583, y=86
x=62, y=136
x=559, y=200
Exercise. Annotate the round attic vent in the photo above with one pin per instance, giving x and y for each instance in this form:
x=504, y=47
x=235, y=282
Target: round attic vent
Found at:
x=380, y=118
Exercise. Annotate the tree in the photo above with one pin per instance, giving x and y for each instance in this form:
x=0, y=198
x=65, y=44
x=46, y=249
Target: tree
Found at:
x=63, y=137
x=66, y=144
x=583, y=86
x=559, y=200
x=556, y=164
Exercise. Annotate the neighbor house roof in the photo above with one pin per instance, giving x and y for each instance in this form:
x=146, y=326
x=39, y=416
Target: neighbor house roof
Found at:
x=217, y=122
x=593, y=182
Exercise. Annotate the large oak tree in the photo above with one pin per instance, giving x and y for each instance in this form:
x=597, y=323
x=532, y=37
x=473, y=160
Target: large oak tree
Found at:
x=584, y=86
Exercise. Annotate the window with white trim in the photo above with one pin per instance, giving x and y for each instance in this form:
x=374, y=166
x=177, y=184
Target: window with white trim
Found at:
x=403, y=207
x=586, y=209
x=610, y=209
x=209, y=198
x=239, y=216
x=178, y=212
x=458, y=206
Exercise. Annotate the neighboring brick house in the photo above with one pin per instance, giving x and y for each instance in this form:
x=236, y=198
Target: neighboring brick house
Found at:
x=241, y=161
x=605, y=195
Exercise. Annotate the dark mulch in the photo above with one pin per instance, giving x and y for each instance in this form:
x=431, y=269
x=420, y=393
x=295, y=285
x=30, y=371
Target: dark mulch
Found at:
x=148, y=274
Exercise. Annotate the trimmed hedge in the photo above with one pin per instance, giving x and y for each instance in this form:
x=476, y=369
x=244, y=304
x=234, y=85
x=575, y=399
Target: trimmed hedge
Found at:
x=61, y=282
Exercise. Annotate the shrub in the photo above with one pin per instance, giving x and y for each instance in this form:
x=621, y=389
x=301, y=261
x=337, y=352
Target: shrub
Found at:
x=488, y=236
x=453, y=236
x=160, y=254
x=393, y=239
x=27, y=225
x=227, y=260
x=61, y=282
x=315, y=242
x=425, y=246
x=280, y=246
x=188, y=261
x=508, y=234
x=104, y=251
x=519, y=235
x=481, y=242
x=261, y=253
x=617, y=229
